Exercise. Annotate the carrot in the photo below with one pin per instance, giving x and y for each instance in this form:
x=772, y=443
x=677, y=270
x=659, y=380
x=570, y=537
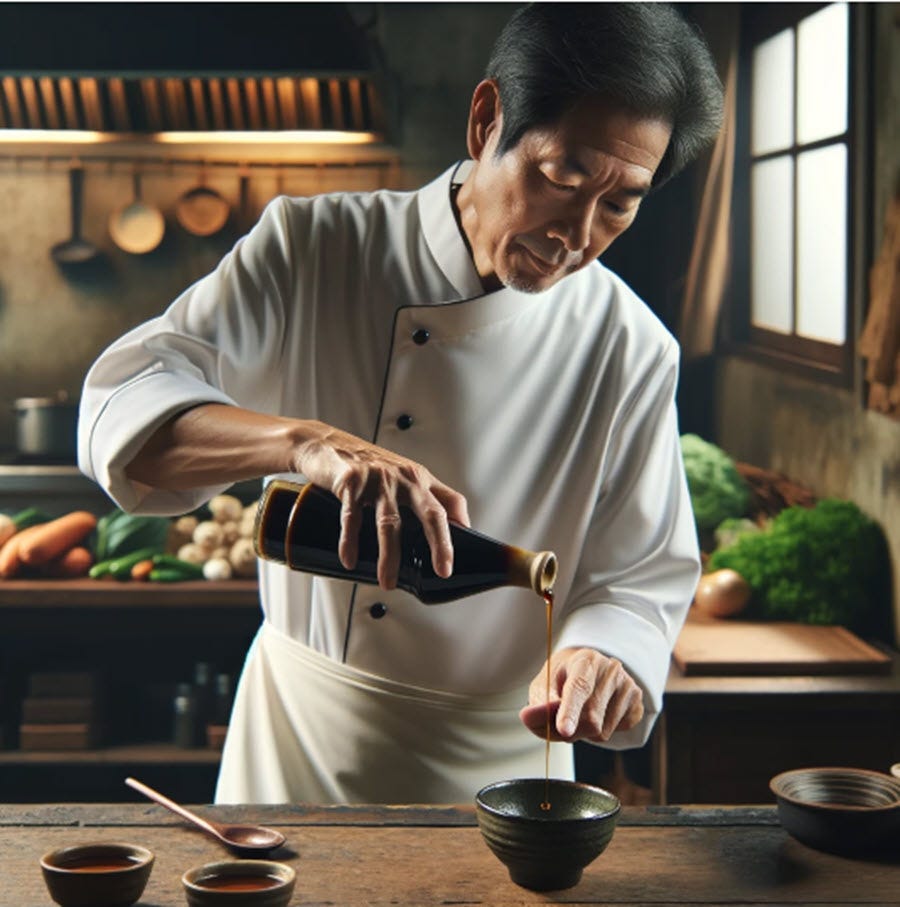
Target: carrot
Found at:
x=75, y=562
x=51, y=540
x=11, y=552
x=141, y=570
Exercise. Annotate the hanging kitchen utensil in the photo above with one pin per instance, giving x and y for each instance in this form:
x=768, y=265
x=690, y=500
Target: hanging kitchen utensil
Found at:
x=244, y=199
x=201, y=210
x=74, y=250
x=137, y=227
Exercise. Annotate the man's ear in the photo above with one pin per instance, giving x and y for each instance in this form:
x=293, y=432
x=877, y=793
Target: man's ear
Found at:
x=484, y=117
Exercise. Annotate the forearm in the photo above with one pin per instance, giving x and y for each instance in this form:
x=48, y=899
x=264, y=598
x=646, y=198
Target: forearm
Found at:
x=214, y=444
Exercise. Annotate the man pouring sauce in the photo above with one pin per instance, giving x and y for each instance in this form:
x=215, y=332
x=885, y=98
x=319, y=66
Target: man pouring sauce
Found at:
x=459, y=350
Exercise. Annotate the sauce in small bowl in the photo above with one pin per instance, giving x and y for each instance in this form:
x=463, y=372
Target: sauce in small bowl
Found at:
x=98, y=874
x=251, y=882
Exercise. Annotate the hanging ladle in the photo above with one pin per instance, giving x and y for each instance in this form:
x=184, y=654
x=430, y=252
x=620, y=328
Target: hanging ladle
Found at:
x=246, y=838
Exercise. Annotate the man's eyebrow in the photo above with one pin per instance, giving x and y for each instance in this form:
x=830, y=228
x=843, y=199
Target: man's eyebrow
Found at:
x=636, y=191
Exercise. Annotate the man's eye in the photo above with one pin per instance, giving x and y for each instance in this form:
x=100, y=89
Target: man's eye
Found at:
x=561, y=187
x=613, y=208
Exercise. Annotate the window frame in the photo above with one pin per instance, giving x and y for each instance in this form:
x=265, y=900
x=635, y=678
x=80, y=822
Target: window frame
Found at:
x=819, y=360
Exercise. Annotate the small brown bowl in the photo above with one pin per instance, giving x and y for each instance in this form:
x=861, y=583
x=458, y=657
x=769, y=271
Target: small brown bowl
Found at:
x=839, y=810
x=260, y=883
x=97, y=875
x=546, y=849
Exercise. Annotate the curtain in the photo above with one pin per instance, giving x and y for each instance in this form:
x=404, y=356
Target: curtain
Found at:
x=708, y=270
x=880, y=340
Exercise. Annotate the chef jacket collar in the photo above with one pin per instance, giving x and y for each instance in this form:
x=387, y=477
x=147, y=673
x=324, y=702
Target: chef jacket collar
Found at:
x=442, y=233
x=474, y=307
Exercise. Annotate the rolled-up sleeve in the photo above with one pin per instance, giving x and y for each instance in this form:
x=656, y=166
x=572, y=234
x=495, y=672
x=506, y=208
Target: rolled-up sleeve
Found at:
x=640, y=562
x=219, y=342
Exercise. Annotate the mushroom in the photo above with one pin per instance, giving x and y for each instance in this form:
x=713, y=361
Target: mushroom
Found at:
x=243, y=558
x=226, y=508
x=217, y=568
x=209, y=535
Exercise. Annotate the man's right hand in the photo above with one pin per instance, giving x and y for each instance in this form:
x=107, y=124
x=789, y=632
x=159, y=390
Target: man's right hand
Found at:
x=213, y=443
x=361, y=474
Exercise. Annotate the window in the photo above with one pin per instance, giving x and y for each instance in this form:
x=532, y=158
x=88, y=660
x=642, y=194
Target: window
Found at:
x=797, y=185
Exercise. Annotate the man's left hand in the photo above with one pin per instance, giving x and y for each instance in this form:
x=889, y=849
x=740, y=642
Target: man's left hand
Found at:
x=591, y=697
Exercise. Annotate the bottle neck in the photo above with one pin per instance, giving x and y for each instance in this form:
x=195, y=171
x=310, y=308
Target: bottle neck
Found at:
x=533, y=570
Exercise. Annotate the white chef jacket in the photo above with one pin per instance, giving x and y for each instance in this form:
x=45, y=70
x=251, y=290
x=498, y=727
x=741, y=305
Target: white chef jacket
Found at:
x=553, y=413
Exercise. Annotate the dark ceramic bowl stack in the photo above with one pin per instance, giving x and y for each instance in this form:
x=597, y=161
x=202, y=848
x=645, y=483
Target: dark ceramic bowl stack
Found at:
x=840, y=810
x=546, y=850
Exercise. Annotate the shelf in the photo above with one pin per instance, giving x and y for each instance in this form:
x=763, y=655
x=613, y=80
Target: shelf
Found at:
x=145, y=754
x=88, y=593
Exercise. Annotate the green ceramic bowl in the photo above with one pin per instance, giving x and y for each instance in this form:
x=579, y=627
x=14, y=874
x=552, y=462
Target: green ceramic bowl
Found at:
x=97, y=875
x=840, y=810
x=546, y=850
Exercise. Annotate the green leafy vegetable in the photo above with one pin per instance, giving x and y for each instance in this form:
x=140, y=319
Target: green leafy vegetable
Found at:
x=717, y=489
x=730, y=530
x=823, y=565
x=119, y=533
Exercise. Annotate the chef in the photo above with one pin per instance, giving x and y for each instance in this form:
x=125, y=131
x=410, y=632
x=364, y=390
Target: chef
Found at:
x=459, y=350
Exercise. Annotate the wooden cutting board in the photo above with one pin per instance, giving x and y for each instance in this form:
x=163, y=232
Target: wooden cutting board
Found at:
x=734, y=647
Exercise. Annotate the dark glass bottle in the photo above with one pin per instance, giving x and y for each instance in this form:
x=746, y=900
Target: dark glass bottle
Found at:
x=299, y=525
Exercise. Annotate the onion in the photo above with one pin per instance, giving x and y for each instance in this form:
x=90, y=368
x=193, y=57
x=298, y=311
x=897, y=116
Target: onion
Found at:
x=722, y=593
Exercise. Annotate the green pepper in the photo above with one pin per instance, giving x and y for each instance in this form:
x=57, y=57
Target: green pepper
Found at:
x=31, y=516
x=100, y=569
x=170, y=562
x=120, y=567
x=172, y=575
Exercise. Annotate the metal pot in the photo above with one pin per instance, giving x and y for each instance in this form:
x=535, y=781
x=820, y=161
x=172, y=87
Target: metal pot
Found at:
x=46, y=426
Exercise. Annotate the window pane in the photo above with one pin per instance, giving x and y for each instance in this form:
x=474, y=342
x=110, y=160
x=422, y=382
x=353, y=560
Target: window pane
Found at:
x=772, y=117
x=822, y=243
x=772, y=244
x=822, y=42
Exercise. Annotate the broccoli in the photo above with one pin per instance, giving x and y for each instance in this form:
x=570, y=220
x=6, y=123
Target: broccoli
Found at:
x=717, y=489
x=823, y=565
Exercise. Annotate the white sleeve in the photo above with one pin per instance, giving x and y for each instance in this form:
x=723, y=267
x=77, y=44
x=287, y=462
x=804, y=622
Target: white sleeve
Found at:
x=640, y=563
x=220, y=341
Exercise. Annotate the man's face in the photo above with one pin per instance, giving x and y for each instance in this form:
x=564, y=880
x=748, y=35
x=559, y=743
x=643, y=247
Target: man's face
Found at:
x=556, y=201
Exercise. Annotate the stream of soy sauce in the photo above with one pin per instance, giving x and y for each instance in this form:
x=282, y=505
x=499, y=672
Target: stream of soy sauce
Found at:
x=548, y=600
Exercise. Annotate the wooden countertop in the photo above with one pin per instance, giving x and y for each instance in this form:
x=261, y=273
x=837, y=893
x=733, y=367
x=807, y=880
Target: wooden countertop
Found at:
x=419, y=856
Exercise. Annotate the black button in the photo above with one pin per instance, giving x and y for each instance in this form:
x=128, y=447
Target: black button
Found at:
x=378, y=610
x=421, y=336
x=404, y=421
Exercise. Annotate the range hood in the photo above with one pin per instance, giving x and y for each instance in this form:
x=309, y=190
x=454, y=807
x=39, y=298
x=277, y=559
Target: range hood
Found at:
x=181, y=67
x=151, y=104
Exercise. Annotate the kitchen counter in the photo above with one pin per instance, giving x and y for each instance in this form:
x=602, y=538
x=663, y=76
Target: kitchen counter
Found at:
x=418, y=856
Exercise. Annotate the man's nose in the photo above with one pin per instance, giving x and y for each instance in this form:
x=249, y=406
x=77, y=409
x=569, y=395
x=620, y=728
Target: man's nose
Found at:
x=573, y=228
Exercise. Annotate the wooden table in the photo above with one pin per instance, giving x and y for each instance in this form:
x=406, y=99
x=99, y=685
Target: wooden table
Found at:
x=413, y=856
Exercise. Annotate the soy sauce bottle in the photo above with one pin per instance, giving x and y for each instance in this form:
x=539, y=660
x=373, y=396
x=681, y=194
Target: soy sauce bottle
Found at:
x=299, y=525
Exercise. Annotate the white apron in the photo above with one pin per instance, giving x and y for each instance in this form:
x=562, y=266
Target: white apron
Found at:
x=305, y=728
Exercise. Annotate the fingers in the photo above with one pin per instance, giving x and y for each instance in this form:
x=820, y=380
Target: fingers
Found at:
x=579, y=686
x=534, y=717
x=361, y=474
x=351, y=520
x=598, y=697
x=388, y=530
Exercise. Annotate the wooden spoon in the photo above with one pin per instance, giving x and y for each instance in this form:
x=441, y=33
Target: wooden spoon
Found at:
x=247, y=838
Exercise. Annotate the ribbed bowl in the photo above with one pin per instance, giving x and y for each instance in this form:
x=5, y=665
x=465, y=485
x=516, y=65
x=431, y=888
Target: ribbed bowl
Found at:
x=840, y=810
x=546, y=850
